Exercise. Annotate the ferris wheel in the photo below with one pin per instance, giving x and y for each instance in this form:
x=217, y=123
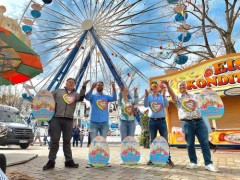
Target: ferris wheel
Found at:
x=100, y=40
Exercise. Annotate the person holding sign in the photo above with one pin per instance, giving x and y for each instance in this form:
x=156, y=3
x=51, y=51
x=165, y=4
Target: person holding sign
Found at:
x=127, y=118
x=62, y=121
x=192, y=125
x=99, y=110
x=156, y=103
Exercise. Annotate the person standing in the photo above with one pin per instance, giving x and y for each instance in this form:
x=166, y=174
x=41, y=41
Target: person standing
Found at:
x=192, y=125
x=45, y=137
x=81, y=137
x=156, y=103
x=76, y=133
x=37, y=136
x=62, y=121
x=99, y=110
x=127, y=116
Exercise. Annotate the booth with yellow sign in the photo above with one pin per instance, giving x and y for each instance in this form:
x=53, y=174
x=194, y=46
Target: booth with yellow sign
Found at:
x=222, y=74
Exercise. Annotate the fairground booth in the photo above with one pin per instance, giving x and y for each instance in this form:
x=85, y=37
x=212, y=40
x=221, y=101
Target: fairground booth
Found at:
x=222, y=74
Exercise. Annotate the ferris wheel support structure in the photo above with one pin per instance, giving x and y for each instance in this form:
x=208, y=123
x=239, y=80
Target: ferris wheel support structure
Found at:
x=67, y=63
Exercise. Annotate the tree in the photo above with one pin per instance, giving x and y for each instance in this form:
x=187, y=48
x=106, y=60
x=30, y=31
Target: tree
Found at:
x=213, y=26
x=12, y=97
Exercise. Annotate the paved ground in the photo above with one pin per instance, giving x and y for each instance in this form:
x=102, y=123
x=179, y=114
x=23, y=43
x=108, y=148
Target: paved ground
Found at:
x=227, y=161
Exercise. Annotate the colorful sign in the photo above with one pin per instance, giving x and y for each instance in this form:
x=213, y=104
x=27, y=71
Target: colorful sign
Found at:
x=223, y=137
x=210, y=104
x=159, y=151
x=220, y=74
x=43, y=106
x=99, y=152
x=130, y=153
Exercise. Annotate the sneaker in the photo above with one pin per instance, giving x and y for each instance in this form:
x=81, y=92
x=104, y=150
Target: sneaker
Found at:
x=150, y=162
x=89, y=165
x=71, y=164
x=108, y=165
x=192, y=166
x=170, y=163
x=212, y=168
x=122, y=163
x=50, y=165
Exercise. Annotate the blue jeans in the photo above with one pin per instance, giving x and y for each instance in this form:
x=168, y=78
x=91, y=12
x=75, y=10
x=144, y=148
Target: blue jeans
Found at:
x=198, y=128
x=158, y=125
x=100, y=128
x=127, y=128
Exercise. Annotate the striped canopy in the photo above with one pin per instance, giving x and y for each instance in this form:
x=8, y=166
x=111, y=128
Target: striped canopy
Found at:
x=18, y=62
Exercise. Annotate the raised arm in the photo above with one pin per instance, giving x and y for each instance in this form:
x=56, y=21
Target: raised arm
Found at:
x=83, y=91
x=88, y=96
x=114, y=94
x=146, y=104
x=136, y=98
x=170, y=90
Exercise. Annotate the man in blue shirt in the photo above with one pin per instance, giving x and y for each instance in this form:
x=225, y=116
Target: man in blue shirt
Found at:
x=156, y=103
x=99, y=111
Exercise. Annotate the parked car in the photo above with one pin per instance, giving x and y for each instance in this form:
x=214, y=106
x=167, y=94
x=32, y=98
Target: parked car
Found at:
x=13, y=128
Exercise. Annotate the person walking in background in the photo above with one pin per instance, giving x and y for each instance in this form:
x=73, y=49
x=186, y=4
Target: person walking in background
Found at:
x=81, y=137
x=66, y=100
x=76, y=133
x=156, y=103
x=45, y=137
x=99, y=110
x=127, y=116
x=192, y=125
x=37, y=136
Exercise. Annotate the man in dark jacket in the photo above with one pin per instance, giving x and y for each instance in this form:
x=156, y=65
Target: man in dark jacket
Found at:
x=76, y=133
x=62, y=121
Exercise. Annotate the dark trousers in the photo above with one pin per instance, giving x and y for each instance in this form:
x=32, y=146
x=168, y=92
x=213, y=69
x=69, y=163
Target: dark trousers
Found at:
x=59, y=125
x=81, y=141
x=75, y=140
x=158, y=124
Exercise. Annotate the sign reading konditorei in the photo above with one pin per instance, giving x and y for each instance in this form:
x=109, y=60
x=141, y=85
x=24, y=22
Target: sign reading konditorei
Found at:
x=221, y=74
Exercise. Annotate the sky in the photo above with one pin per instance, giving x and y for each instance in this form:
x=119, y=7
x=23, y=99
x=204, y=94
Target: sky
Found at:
x=42, y=29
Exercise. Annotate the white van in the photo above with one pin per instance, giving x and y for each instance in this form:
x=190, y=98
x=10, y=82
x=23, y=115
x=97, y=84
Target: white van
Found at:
x=13, y=128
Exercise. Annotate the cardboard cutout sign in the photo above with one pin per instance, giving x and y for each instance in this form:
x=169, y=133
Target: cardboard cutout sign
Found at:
x=210, y=104
x=130, y=153
x=159, y=151
x=43, y=106
x=99, y=152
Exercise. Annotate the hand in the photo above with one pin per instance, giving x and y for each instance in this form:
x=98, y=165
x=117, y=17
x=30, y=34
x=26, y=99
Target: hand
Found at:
x=86, y=82
x=135, y=89
x=146, y=93
x=113, y=85
x=121, y=88
x=93, y=86
x=165, y=82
